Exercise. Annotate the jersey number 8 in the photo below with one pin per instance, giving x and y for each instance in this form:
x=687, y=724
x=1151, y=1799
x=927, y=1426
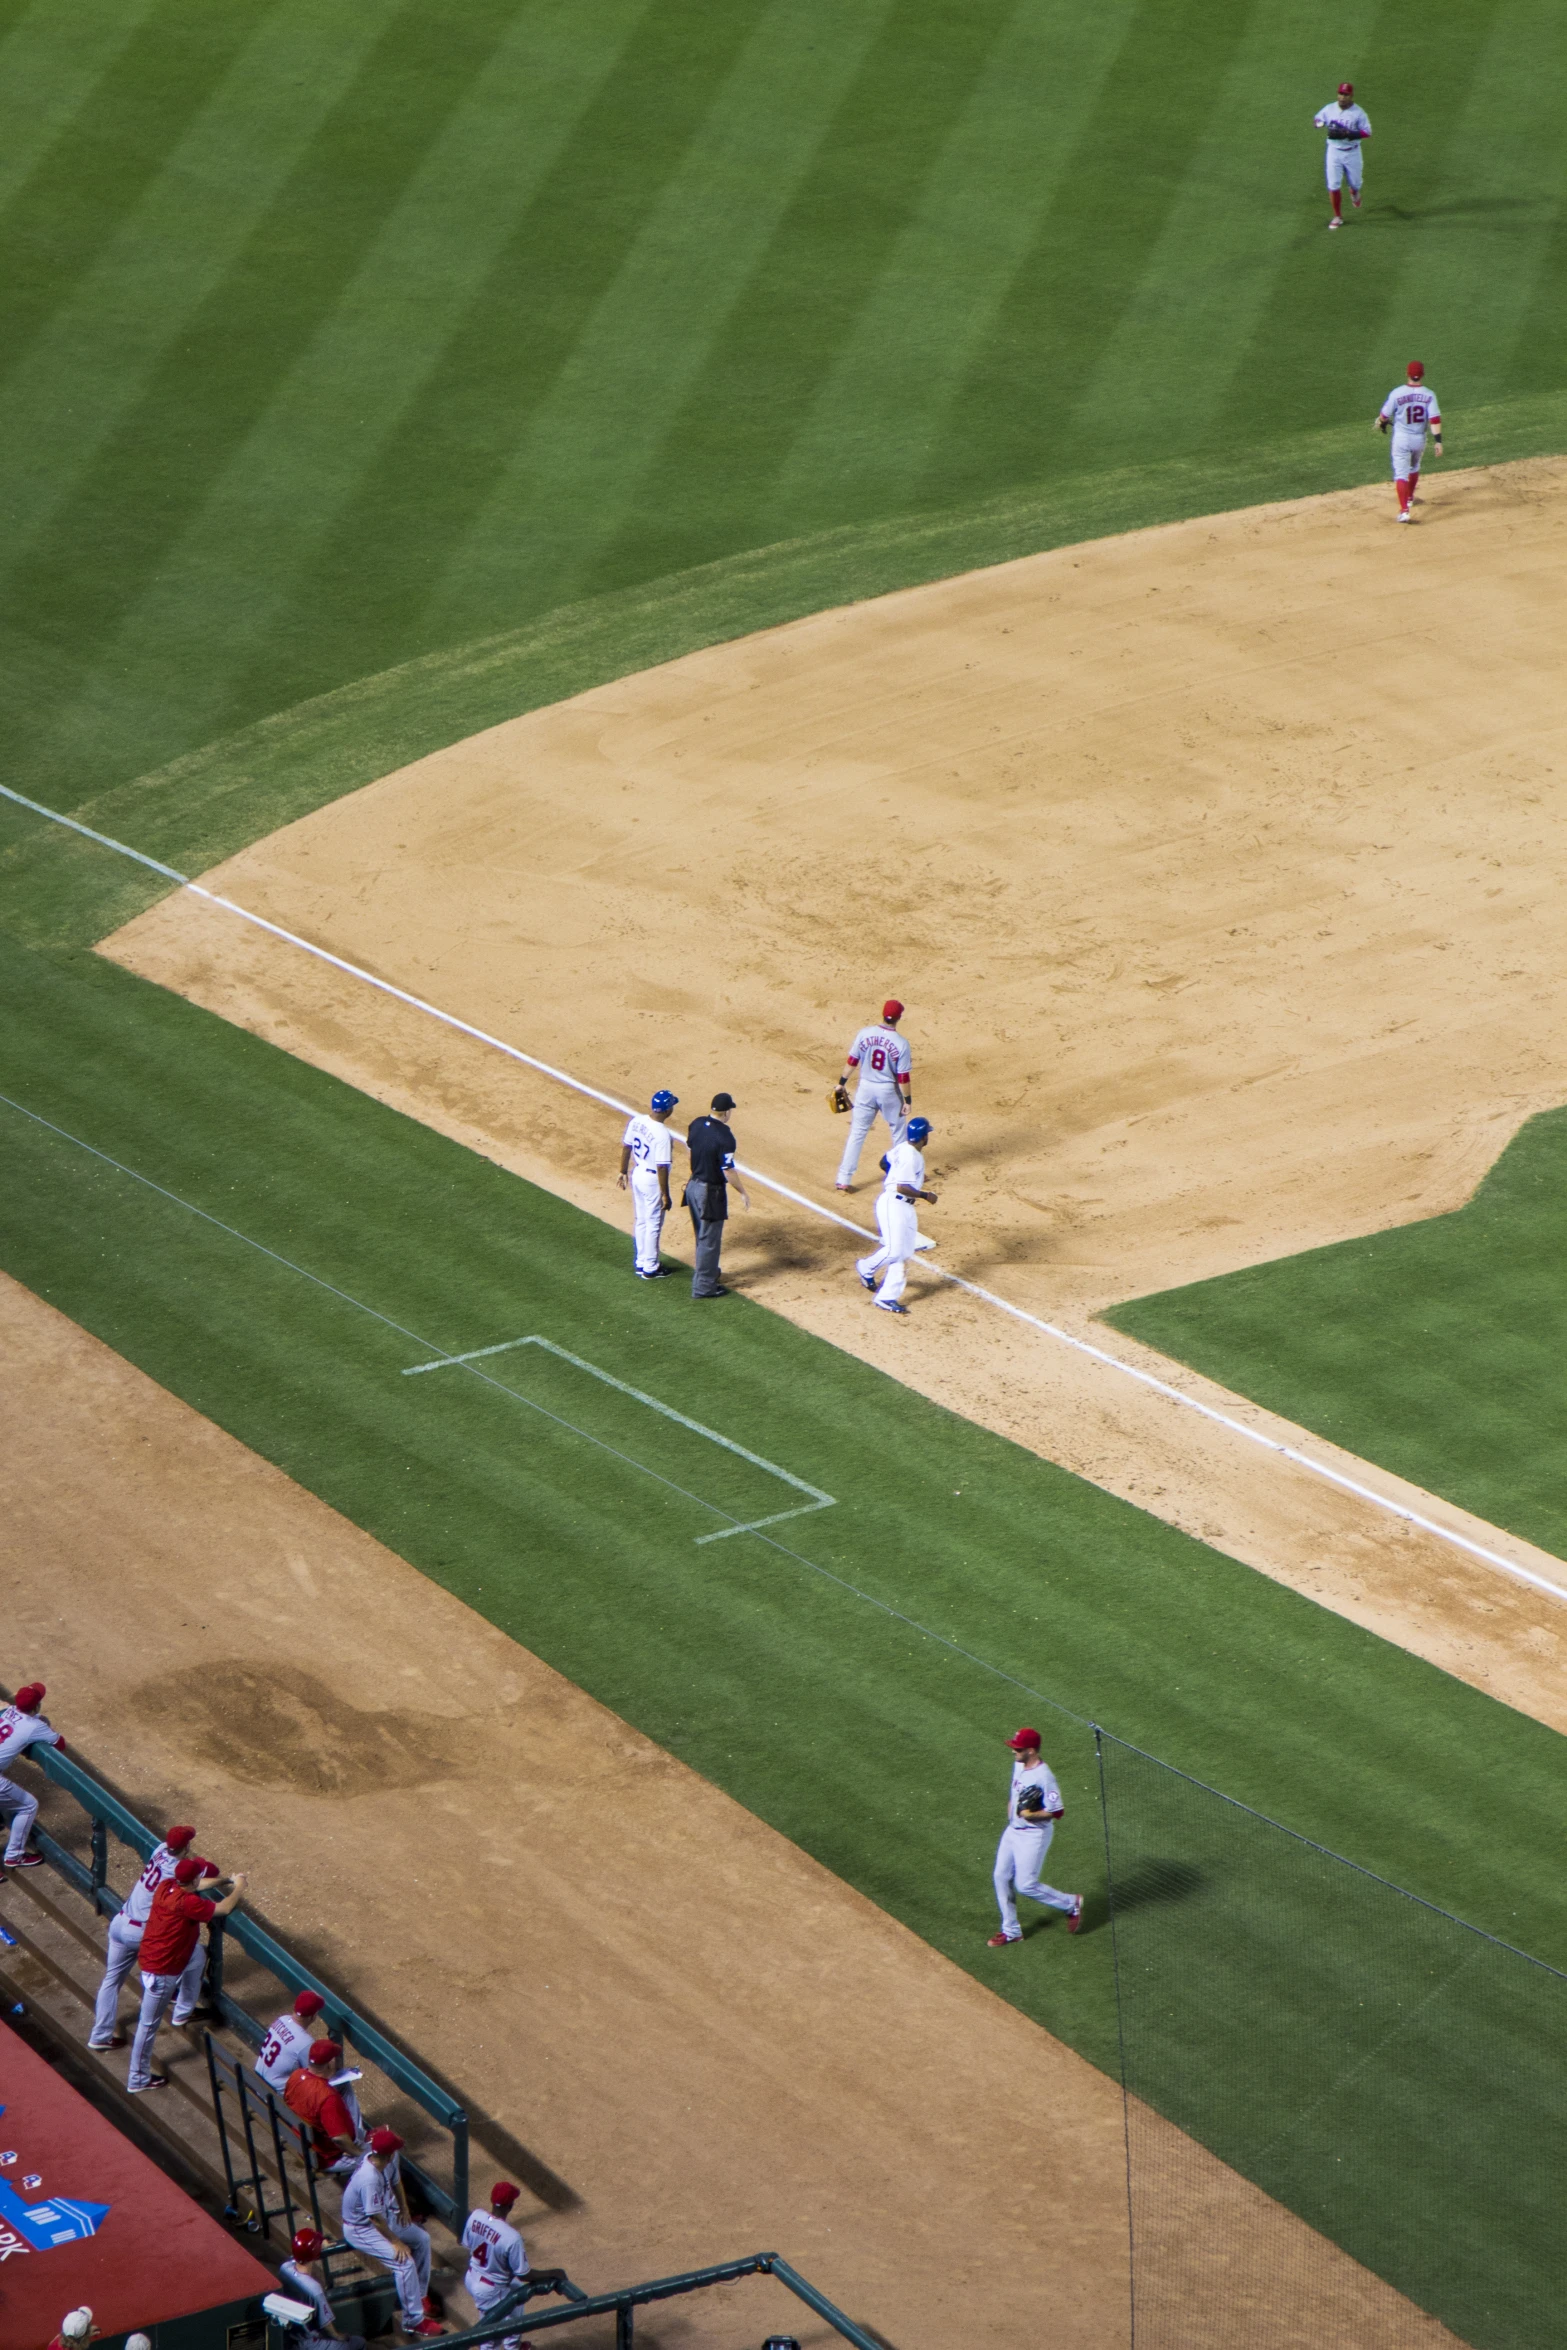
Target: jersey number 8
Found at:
x=878, y=1059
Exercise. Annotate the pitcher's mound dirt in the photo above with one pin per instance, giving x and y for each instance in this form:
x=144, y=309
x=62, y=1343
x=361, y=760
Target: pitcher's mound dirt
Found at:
x=1215, y=864
x=706, y=2045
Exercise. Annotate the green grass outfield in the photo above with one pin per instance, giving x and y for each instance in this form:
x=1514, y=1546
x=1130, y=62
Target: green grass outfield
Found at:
x=1436, y=1348
x=337, y=333
x=849, y=1674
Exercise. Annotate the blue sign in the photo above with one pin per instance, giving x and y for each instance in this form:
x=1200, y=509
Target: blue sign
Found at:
x=58, y=2219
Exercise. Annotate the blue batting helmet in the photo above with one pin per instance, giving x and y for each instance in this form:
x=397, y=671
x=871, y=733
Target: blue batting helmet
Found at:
x=918, y=1131
x=664, y=1099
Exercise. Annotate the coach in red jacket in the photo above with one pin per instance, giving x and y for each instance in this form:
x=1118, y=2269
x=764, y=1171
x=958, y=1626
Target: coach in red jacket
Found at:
x=180, y=1908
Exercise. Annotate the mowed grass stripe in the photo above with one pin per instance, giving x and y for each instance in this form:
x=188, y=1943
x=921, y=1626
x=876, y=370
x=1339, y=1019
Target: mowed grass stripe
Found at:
x=589, y=444
x=322, y=354
x=875, y=1747
x=1494, y=278
x=150, y=277
x=90, y=178
x=44, y=87
x=866, y=438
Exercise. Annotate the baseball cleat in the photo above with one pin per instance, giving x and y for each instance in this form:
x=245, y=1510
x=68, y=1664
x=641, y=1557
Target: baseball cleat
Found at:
x=1354, y=197
x=890, y=1305
x=153, y=2081
x=1406, y=516
x=843, y=1187
x=867, y=1281
x=26, y=1860
x=1000, y=1941
x=1335, y=224
x=102, y=2047
x=1074, y=1918
x=660, y=1275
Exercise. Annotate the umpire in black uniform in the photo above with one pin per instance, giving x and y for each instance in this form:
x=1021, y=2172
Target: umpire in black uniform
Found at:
x=712, y=1147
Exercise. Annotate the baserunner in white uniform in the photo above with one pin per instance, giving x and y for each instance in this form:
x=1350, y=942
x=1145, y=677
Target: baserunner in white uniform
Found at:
x=897, y=1218
x=1033, y=1809
x=1409, y=413
x=1348, y=127
x=125, y=1933
x=22, y=1726
x=497, y=2257
x=646, y=1149
x=886, y=1087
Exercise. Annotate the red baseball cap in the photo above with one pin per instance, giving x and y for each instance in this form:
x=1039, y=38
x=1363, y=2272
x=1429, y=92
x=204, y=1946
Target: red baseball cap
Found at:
x=1416, y=371
x=384, y=2141
x=1346, y=89
x=1020, y=1740
x=503, y=2194
x=307, y=2243
x=29, y=1697
x=892, y=1009
x=309, y=2003
x=186, y=1871
x=178, y=1838
x=324, y=2052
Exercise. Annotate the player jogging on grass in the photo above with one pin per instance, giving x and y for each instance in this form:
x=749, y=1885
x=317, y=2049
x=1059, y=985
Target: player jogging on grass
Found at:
x=1348, y=127
x=1409, y=412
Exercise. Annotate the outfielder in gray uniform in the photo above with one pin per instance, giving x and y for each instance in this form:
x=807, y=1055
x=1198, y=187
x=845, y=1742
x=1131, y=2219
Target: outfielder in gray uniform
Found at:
x=374, y=2221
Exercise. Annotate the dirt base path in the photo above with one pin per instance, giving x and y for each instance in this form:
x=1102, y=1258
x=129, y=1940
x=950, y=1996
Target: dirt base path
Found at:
x=705, y=2043
x=1216, y=865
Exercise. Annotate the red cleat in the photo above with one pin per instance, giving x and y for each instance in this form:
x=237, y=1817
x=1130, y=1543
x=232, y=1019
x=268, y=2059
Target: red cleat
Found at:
x=1074, y=1923
x=1002, y=1941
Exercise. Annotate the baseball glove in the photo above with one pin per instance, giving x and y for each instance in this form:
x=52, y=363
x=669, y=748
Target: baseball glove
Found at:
x=1344, y=130
x=1031, y=1807
x=838, y=1097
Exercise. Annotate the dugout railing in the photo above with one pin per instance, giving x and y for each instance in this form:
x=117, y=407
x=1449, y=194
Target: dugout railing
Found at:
x=107, y=1816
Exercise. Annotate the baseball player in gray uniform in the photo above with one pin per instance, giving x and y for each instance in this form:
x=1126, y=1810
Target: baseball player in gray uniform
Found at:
x=375, y=2222
x=22, y=1726
x=1409, y=412
x=885, y=1090
x=1348, y=127
x=289, y=2041
x=125, y=1932
x=1033, y=1808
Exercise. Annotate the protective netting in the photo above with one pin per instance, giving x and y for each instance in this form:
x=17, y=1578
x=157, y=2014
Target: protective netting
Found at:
x=1385, y=2072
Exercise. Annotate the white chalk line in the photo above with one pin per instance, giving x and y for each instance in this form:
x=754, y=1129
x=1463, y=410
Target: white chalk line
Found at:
x=818, y=1500
x=1191, y=1403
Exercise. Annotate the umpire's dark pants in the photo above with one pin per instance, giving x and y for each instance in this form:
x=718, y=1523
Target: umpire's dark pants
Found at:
x=709, y=1206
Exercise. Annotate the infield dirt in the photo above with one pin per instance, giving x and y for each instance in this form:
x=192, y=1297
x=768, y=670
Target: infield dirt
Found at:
x=1216, y=865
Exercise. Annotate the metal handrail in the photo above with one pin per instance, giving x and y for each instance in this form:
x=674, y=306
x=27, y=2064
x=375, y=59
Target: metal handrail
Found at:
x=107, y=1812
x=620, y=2304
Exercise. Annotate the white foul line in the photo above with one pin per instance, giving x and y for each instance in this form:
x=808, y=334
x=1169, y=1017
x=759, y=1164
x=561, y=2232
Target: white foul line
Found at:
x=1191, y=1403
x=818, y=1500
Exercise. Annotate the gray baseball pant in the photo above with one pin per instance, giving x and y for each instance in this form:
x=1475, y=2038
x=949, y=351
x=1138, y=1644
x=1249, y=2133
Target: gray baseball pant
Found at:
x=703, y=1199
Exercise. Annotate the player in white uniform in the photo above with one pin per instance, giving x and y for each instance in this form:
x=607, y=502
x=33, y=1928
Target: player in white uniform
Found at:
x=897, y=1218
x=22, y=1726
x=289, y=2041
x=886, y=1086
x=1409, y=412
x=374, y=2222
x=125, y=1932
x=497, y=2258
x=646, y=1149
x=1032, y=1812
x=1348, y=127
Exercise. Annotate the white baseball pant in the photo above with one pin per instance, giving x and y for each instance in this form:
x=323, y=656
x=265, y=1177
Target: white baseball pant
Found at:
x=411, y=2277
x=1345, y=163
x=157, y=1994
x=23, y=1809
x=484, y=2298
x=1019, y=1857
x=873, y=1100
x=648, y=1211
x=124, y=1943
x=900, y=1231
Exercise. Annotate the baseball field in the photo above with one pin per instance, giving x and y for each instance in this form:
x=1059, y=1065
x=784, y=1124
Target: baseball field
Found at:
x=637, y=530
